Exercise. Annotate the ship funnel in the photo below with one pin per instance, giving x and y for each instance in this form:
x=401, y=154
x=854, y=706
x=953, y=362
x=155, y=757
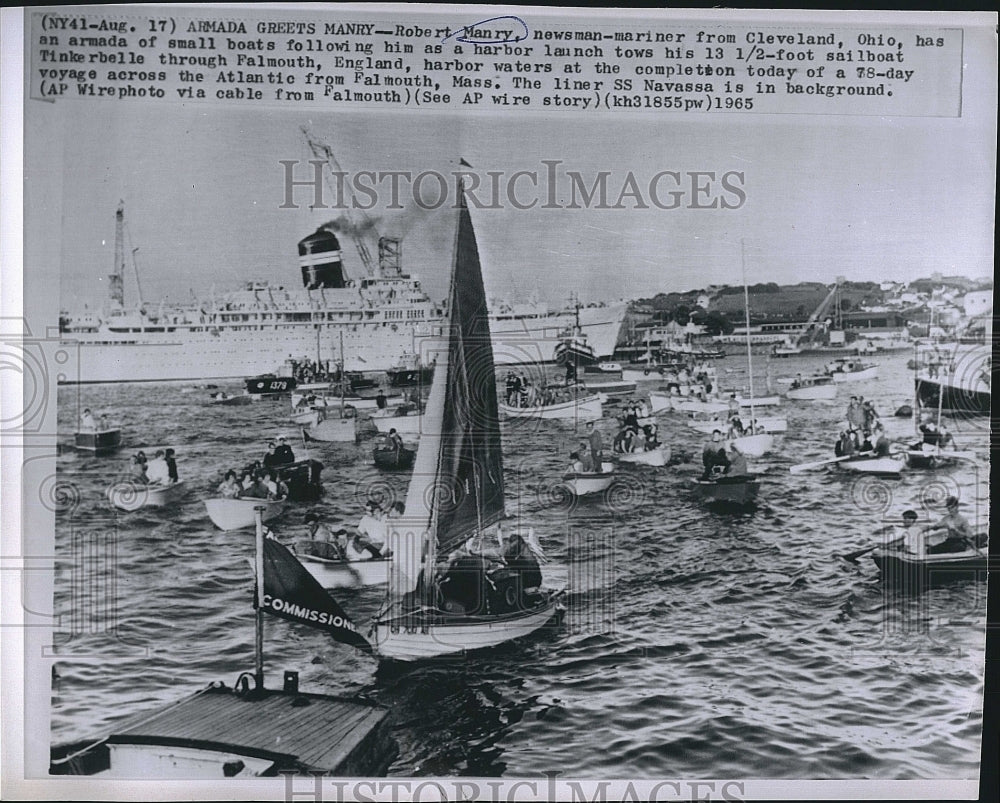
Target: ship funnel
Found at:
x=319, y=258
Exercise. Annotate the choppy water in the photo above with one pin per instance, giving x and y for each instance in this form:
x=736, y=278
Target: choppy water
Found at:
x=696, y=643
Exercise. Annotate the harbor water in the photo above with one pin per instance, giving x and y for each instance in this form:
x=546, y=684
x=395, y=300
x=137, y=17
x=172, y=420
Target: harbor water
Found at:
x=696, y=643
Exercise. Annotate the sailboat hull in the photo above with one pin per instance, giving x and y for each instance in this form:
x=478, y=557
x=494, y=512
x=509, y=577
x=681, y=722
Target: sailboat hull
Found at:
x=768, y=424
x=235, y=514
x=333, y=430
x=588, y=409
x=755, y=445
x=407, y=638
x=812, y=392
x=344, y=573
x=590, y=483
x=403, y=424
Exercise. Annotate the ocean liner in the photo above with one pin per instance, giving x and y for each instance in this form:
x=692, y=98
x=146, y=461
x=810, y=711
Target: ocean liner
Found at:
x=383, y=317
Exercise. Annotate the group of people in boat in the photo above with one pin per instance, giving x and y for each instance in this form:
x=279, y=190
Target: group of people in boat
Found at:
x=721, y=462
x=254, y=483
x=701, y=375
x=161, y=470
x=932, y=435
x=864, y=434
x=521, y=392
x=342, y=545
x=637, y=432
x=90, y=424
x=958, y=533
x=589, y=457
x=478, y=579
x=307, y=370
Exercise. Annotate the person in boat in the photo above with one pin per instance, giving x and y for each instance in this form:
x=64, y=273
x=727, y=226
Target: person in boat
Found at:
x=172, y=475
x=230, y=488
x=652, y=435
x=947, y=440
x=631, y=419
x=596, y=445
x=871, y=414
x=258, y=488
x=276, y=489
x=959, y=532
x=137, y=470
x=737, y=462
x=104, y=425
x=881, y=442
x=394, y=441
x=283, y=453
x=575, y=463
x=842, y=448
x=523, y=571
x=380, y=400
x=157, y=470
x=734, y=406
x=325, y=543
x=736, y=429
x=866, y=444
x=797, y=382
x=87, y=420
x=855, y=415
x=713, y=454
x=270, y=458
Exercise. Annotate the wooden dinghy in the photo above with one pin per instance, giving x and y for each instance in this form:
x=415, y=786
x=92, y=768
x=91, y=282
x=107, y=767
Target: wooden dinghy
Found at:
x=235, y=514
x=131, y=496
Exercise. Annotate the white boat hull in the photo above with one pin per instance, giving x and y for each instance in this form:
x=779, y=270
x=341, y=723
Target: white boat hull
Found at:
x=610, y=387
x=394, y=642
x=772, y=425
x=235, y=514
x=586, y=484
x=755, y=445
x=856, y=376
x=654, y=457
x=403, y=424
x=876, y=465
x=812, y=393
x=131, y=496
x=642, y=375
x=586, y=409
x=345, y=574
x=333, y=430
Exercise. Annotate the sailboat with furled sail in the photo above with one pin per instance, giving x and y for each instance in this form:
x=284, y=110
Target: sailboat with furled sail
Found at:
x=448, y=592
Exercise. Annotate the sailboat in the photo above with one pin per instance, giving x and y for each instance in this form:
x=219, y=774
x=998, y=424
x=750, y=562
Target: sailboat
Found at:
x=338, y=428
x=756, y=443
x=455, y=503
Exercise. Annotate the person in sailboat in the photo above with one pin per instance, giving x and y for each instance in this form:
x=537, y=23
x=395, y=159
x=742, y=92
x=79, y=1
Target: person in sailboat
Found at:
x=230, y=487
x=283, y=452
x=87, y=421
x=157, y=470
x=736, y=467
x=519, y=575
x=596, y=446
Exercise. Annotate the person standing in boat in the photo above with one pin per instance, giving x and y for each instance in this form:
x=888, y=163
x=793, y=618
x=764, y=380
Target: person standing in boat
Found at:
x=157, y=470
x=881, y=442
x=271, y=459
x=380, y=400
x=230, y=487
x=283, y=453
x=394, y=441
x=596, y=446
x=172, y=475
x=855, y=415
x=87, y=420
x=104, y=425
x=871, y=415
x=713, y=454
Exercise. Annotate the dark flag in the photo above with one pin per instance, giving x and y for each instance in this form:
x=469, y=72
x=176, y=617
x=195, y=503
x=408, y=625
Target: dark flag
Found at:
x=292, y=593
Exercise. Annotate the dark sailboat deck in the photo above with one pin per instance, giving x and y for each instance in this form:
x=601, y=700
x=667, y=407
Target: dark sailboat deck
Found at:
x=299, y=732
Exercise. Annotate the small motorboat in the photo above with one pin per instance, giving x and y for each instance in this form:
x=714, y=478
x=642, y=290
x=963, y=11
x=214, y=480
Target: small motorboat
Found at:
x=732, y=491
x=270, y=385
x=332, y=572
x=236, y=514
x=98, y=441
x=845, y=369
x=129, y=495
x=331, y=430
x=392, y=459
x=231, y=400
x=880, y=466
x=592, y=482
x=587, y=408
x=903, y=568
x=657, y=457
x=303, y=479
x=812, y=388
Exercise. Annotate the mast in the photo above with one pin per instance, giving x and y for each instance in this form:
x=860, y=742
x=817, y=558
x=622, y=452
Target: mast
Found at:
x=343, y=375
x=746, y=305
x=259, y=624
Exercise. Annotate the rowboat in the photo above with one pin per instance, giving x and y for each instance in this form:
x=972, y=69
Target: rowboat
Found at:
x=881, y=466
x=335, y=573
x=329, y=400
x=409, y=424
x=393, y=459
x=230, y=400
x=914, y=571
x=754, y=445
x=928, y=456
x=657, y=457
x=593, y=482
x=587, y=408
x=812, y=388
x=104, y=441
x=235, y=514
x=735, y=491
x=128, y=495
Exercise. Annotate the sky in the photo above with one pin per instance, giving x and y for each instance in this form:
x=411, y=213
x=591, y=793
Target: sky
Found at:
x=861, y=197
